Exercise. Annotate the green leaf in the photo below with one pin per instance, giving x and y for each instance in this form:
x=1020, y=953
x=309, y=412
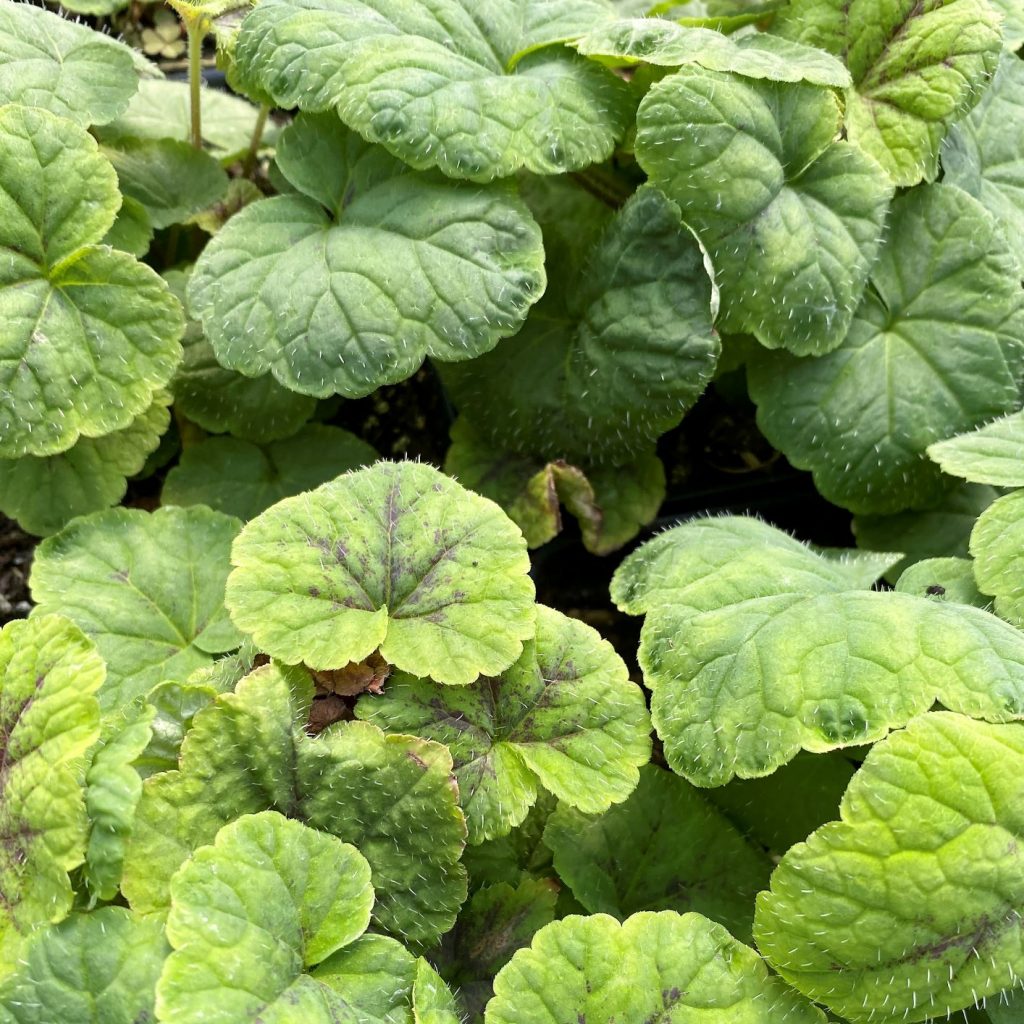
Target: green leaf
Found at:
x=996, y=544
x=986, y=159
x=47, y=61
x=432, y=1001
x=112, y=791
x=1012, y=12
x=941, y=530
x=395, y=557
x=791, y=220
x=172, y=180
x=147, y=587
x=936, y=348
x=222, y=401
x=916, y=67
x=243, y=479
x=787, y=806
x=350, y=282
x=943, y=579
x=172, y=707
x=90, y=333
x=161, y=109
x=669, y=44
x=393, y=797
x=610, y=503
x=613, y=355
x=520, y=854
x=49, y=717
x=477, y=93
x=992, y=454
x=782, y=655
x=1005, y=1009
x=98, y=968
x=920, y=882
x=44, y=493
x=132, y=230
x=720, y=15
x=662, y=966
x=251, y=914
x=665, y=848
x=564, y=716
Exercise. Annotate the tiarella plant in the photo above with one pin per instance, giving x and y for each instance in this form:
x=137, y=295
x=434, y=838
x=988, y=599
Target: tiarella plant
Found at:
x=300, y=733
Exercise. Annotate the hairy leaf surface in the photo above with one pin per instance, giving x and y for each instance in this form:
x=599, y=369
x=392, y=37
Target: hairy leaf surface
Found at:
x=477, y=90
x=992, y=454
x=936, y=348
x=349, y=282
x=97, y=968
x=791, y=219
x=395, y=557
x=655, y=966
x=147, y=587
x=916, y=66
x=997, y=544
x=49, y=717
x=943, y=579
x=921, y=882
x=564, y=716
x=391, y=796
x=89, y=333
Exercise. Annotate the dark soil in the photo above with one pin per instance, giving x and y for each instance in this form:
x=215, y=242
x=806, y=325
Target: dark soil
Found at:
x=16, y=548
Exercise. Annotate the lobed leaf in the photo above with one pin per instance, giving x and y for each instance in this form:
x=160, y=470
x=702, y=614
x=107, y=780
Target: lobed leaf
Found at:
x=243, y=479
x=654, y=966
x=397, y=558
x=44, y=493
x=349, y=282
x=97, y=968
x=671, y=44
x=791, y=220
x=477, y=91
x=920, y=882
x=916, y=67
x=665, y=848
x=991, y=454
x=68, y=69
x=620, y=347
x=147, y=587
x=565, y=716
x=390, y=796
x=49, y=717
x=935, y=349
x=91, y=334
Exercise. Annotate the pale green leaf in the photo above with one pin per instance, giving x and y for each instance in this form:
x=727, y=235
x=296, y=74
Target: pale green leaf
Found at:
x=613, y=355
x=350, y=282
x=565, y=716
x=791, y=219
x=161, y=109
x=935, y=349
x=243, y=479
x=375, y=974
x=132, y=230
x=395, y=557
x=50, y=62
x=112, y=791
x=920, y=882
x=44, y=493
x=173, y=706
x=781, y=654
x=1012, y=12
x=49, y=717
x=147, y=587
x=432, y=1000
x=250, y=914
x=669, y=44
x=222, y=401
x=90, y=334
x=997, y=544
x=943, y=579
x=665, y=848
x=473, y=88
x=992, y=454
x=171, y=179
x=938, y=531
x=654, y=967
x=392, y=797
x=917, y=67
x=98, y=968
